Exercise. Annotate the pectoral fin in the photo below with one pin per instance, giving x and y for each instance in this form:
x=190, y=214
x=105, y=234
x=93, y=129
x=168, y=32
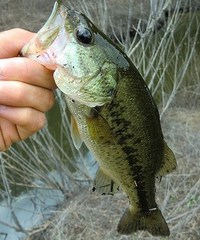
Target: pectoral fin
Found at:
x=169, y=162
x=76, y=138
x=104, y=184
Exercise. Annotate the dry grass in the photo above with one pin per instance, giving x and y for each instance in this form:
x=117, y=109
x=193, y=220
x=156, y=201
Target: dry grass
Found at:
x=169, y=61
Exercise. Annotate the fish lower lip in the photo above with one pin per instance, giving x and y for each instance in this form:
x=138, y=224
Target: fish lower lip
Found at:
x=47, y=60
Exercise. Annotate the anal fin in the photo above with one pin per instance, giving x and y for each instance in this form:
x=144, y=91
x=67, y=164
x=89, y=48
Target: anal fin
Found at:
x=169, y=162
x=103, y=184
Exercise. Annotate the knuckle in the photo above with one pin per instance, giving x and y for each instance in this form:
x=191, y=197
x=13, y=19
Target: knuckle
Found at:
x=40, y=121
x=19, y=91
x=25, y=68
x=50, y=100
x=18, y=30
x=34, y=120
x=1, y=72
x=3, y=69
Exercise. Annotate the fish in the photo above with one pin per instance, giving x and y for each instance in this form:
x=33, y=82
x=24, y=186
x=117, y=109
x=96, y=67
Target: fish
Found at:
x=113, y=113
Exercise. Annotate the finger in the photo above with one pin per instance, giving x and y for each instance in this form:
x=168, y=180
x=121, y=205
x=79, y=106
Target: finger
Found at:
x=20, y=94
x=26, y=70
x=12, y=41
x=28, y=120
x=8, y=134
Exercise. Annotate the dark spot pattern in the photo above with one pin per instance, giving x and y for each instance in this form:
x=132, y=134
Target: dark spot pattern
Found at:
x=128, y=141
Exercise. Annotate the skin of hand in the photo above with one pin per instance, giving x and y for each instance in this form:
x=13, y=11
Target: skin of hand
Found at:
x=26, y=90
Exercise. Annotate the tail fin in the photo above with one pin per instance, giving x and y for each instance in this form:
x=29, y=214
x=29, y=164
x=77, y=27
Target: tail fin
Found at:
x=153, y=222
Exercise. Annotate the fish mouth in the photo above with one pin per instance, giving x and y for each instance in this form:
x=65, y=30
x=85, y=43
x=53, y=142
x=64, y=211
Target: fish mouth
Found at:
x=50, y=40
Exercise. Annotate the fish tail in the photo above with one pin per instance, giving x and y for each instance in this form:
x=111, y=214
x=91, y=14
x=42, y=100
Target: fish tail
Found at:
x=153, y=222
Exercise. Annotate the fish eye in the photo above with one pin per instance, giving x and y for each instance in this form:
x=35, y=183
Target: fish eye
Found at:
x=84, y=35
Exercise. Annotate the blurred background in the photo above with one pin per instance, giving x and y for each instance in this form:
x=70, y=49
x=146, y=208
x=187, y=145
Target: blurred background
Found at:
x=45, y=181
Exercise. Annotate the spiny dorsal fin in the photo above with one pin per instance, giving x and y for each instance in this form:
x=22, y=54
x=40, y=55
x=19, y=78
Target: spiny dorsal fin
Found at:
x=169, y=162
x=104, y=184
x=76, y=138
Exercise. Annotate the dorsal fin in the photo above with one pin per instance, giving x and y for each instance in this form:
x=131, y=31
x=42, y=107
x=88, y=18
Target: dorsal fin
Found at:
x=104, y=184
x=169, y=162
x=76, y=138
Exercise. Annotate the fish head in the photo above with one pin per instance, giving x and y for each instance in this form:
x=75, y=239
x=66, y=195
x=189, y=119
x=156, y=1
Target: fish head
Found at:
x=81, y=56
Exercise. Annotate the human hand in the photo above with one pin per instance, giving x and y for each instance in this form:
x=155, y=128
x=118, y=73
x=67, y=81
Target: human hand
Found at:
x=26, y=90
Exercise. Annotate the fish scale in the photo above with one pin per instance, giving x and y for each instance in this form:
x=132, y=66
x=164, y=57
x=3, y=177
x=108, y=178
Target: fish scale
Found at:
x=131, y=151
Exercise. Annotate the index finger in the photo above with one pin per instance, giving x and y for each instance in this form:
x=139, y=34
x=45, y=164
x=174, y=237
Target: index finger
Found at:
x=26, y=70
x=12, y=41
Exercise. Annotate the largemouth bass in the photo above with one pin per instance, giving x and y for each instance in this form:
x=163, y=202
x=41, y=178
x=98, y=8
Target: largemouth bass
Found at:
x=113, y=113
